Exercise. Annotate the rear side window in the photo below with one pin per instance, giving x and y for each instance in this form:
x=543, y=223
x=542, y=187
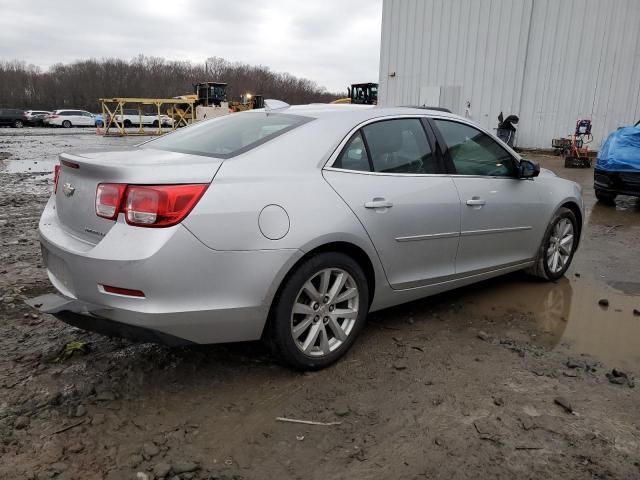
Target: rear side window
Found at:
x=228, y=136
x=390, y=146
x=353, y=155
x=474, y=152
x=400, y=146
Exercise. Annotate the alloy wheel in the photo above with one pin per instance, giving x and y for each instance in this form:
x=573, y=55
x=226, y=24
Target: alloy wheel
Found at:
x=324, y=312
x=560, y=245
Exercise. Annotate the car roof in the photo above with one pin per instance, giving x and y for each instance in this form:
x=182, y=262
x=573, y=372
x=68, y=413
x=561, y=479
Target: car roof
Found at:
x=320, y=110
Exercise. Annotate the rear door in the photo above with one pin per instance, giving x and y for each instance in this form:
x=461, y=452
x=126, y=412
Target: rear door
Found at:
x=85, y=119
x=502, y=219
x=390, y=175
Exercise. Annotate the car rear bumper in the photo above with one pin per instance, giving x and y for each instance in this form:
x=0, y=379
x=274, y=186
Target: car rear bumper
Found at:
x=619, y=183
x=191, y=292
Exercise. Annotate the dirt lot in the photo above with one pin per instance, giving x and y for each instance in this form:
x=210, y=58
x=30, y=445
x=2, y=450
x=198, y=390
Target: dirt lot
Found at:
x=461, y=385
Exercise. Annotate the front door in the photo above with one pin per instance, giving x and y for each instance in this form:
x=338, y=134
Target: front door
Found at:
x=502, y=219
x=389, y=176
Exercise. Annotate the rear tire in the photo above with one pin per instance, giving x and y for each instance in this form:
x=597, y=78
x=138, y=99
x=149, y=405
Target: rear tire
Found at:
x=18, y=124
x=304, y=331
x=605, y=197
x=66, y=124
x=557, y=250
x=127, y=124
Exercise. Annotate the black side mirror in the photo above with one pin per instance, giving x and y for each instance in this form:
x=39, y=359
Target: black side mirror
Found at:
x=528, y=169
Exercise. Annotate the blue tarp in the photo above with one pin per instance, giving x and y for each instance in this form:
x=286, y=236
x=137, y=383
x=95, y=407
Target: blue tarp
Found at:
x=621, y=151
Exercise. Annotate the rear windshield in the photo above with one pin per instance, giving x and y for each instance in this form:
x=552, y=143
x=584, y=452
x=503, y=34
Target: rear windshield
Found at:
x=228, y=136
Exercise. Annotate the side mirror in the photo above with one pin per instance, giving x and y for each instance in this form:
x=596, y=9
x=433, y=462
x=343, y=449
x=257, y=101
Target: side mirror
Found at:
x=528, y=169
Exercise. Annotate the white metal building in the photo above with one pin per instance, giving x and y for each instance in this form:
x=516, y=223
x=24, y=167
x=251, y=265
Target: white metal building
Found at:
x=548, y=61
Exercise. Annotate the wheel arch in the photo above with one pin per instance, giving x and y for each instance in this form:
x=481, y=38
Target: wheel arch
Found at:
x=341, y=246
x=577, y=211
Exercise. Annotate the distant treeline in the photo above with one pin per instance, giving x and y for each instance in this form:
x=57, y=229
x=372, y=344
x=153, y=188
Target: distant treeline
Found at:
x=81, y=83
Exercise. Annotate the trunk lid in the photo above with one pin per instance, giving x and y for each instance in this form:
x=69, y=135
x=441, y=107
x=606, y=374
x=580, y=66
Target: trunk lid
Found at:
x=82, y=171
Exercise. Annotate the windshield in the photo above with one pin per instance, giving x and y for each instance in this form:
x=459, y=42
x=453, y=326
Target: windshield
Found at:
x=228, y=136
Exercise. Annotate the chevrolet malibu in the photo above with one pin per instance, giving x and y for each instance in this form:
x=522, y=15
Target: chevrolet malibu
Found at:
x=291, y=224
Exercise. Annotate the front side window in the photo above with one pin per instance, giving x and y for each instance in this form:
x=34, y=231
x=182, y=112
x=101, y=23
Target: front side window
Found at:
x=474, y=152
x=400, y=146
x=228, y=136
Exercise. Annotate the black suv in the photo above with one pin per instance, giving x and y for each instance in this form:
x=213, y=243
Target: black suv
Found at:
x=12, y=117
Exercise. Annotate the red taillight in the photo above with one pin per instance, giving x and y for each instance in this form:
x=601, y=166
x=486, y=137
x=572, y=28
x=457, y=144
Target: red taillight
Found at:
x=56, y=176
x=147, y=205
x=109, y=199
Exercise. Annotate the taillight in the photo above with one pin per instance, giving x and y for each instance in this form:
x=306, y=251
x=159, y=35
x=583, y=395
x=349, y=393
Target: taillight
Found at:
x=109, y=199
x=56, y=176
x=147, y=205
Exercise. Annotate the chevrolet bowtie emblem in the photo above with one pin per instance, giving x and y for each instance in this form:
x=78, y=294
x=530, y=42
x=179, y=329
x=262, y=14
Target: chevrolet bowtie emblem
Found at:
x=68, y=189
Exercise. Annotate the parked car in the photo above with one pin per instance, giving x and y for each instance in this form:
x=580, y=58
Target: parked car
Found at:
x=12, y=117
x=166, y=121
x=617, y=169
x=133, y=118
x=36, y=117
x=68, y=118
x=293, y=224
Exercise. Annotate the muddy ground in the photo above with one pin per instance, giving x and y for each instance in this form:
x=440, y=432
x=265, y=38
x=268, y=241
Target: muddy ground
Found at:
x=461, y=385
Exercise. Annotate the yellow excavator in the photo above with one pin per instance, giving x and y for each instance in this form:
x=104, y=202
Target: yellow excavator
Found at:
x=361, y=93
x=209, y=101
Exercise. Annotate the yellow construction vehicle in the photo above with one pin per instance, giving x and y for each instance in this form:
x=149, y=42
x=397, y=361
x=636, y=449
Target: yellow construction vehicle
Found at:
x=361, y=93
x=209, y=100
x=247, y=102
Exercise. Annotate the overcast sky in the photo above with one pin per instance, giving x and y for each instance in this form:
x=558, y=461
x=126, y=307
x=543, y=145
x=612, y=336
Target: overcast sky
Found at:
x=333, y=42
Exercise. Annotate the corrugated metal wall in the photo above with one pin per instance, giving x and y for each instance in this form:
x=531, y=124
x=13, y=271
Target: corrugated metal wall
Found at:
x=548, y=61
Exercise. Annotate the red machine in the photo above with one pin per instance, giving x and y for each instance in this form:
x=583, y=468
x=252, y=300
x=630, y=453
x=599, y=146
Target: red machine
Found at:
x=574, y=149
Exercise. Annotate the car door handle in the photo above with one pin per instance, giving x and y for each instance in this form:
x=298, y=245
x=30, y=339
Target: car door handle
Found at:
x=378, y=203
x=476, y=202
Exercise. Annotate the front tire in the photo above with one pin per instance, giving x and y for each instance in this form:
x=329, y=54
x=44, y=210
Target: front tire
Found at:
x=18, y=124
x=558, y=246
x=66, y=124
x=319, y=311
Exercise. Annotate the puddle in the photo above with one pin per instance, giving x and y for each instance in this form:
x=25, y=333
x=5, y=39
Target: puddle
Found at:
x=568, y=312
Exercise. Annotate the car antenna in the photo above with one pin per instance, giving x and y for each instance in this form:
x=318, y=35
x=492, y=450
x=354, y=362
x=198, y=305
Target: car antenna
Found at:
x=270, y=105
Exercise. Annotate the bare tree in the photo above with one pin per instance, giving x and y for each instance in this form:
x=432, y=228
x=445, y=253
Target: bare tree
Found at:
x=81, y=83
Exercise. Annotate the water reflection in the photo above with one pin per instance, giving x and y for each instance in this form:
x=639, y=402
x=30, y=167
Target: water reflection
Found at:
x=615, y=215
x=568, y=311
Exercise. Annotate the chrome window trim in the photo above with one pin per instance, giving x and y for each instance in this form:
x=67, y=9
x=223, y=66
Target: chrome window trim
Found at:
x=328, y=165
x=385, y=174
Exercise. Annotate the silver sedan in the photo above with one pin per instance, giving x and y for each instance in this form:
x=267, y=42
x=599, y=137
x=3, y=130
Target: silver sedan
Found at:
x=291, y=224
